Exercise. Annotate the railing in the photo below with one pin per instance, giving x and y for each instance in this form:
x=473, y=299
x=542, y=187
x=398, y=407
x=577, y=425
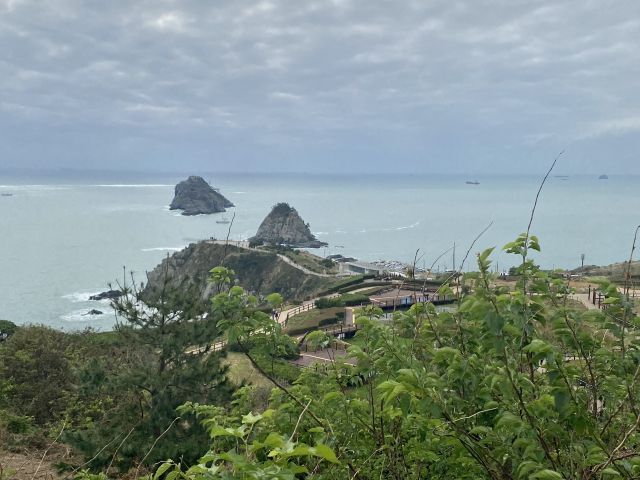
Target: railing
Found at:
x=302, y=308
x=597, y=298
x=406, y=301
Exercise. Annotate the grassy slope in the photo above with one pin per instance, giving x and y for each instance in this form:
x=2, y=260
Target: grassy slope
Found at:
x=312, y=318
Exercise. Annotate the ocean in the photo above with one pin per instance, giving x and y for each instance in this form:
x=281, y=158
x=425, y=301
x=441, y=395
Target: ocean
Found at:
x=66, y=237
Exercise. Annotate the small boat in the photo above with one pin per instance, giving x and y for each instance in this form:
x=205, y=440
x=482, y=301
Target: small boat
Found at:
x=6, y=194
x=223, y=220
x=603, y=177
x=474, y=182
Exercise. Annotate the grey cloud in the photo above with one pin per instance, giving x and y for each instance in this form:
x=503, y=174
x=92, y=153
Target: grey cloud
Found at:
x=434, y=85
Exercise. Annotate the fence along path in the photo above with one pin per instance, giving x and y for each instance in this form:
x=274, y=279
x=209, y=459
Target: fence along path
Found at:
x=245, y=245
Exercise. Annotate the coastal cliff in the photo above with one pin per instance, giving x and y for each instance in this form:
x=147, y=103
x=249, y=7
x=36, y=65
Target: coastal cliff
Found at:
x=258, y=272
x=194, y=196
x=284, y=226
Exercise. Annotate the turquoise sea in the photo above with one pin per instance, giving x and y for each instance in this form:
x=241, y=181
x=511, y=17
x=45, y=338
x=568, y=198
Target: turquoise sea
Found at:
x=65, y=237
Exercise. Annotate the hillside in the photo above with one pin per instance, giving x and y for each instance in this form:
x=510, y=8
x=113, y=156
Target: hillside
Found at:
x=258, y=272
x=615, y=272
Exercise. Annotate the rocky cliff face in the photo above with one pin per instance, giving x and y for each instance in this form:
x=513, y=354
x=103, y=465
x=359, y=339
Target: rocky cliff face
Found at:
x=284, y=226
x=257, y=272
x=195, y=196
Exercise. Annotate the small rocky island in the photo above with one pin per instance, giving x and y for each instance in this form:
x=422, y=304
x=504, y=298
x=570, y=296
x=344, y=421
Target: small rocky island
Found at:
x=284, y=226
x=194, y=196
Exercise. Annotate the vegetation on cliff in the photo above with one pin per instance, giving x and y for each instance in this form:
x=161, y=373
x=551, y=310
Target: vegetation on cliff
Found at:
x=258, y=272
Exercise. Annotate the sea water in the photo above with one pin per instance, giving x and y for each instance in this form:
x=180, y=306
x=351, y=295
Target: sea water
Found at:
x=64, y=239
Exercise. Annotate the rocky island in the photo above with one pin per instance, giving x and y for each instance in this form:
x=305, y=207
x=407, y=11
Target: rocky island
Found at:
x=194, y=196
x=284, y=226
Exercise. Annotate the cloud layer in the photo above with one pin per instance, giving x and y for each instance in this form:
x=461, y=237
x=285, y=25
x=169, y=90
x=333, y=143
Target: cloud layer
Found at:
x=333, y=85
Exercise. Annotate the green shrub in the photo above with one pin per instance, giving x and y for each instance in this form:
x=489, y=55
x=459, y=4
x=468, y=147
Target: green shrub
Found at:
x=329, y=321
x=324, y=302
x=18, y=424
x=354, y=299
x=7, y=329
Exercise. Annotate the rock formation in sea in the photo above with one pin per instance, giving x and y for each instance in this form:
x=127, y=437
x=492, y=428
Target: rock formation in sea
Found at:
x=194, y=196
x=284, y=226
x=108, y=295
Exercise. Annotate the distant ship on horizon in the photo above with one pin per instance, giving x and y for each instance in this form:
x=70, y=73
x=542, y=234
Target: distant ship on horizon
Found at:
x=472, y=182
x=603, y=177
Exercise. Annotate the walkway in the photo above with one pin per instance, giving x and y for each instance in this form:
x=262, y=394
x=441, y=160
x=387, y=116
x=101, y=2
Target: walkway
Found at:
x=307, y=305
x=584, y=299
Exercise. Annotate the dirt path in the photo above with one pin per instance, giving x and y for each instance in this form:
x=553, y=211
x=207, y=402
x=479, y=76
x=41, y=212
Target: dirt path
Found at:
x=19, y=466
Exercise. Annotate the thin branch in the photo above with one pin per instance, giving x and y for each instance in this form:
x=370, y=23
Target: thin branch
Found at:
x=475, y=240
x=226, y=242
x=153, y=446
x=627, y=276
x=544, y=180
x=75, y=470
x=298, y=422
x=117, y=449
x=47, y=451
x=620, y=445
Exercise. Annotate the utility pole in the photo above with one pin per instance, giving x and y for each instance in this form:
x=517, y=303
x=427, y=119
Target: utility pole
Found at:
x=454, y=257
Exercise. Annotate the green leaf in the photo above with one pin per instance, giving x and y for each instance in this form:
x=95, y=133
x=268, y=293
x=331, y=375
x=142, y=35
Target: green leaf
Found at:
x=611, y=471
x=251, y=419
x=162, y=469
x=509, y=421
x=325, y=452
x=173, y=475
x=546, y=475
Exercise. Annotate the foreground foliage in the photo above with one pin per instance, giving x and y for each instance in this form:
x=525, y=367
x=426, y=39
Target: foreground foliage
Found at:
x=512, y=385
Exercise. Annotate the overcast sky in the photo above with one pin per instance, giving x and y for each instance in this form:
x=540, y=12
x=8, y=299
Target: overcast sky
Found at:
x=336, y=85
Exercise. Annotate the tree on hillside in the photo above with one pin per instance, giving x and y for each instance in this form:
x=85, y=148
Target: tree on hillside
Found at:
x=167, y=358
x=7, y=329
x=35, y=373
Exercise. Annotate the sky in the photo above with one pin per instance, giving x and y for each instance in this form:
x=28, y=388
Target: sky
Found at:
x=373, y=86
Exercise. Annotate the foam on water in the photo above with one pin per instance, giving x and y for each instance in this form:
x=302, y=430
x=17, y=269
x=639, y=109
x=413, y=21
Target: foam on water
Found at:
x=81, y=316
x=136, y=185
x=413, y=225
x=79, y=297
x=162, y=249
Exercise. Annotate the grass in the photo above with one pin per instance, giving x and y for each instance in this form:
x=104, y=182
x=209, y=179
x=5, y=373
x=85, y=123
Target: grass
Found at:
x=241, y=371
x=309, y=261
x=312, y=318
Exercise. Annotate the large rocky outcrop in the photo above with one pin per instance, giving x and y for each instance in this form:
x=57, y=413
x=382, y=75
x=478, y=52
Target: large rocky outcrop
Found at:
x=258, y=272
x=194, y=196
x=283, y=226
